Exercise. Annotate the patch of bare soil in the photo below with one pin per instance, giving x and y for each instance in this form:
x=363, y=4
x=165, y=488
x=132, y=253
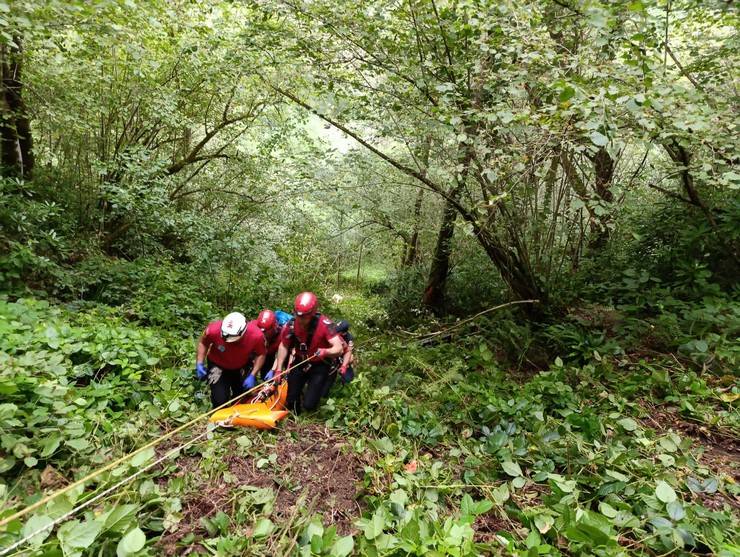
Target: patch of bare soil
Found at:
x=321, y=464
x=205, y=504
x=530, y=495
x=487, y=525
x=180, y=463
x=313, y=463
x=51, y=478
x=721, y=450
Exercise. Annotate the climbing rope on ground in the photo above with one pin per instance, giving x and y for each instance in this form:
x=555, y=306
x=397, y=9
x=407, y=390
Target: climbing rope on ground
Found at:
x=124, y=458
x=99, y=496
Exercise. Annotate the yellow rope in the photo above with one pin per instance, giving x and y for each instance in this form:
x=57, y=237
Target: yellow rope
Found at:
x=90, y=501
x=155, y=442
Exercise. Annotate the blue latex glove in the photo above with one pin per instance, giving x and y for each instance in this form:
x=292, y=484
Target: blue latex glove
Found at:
x=270, y=375
x=200, y=371
x=250, y=382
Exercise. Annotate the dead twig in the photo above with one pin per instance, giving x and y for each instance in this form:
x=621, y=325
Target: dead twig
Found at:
x=474, y=317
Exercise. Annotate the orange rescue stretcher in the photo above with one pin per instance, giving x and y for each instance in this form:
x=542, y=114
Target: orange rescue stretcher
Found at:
x=265, y=410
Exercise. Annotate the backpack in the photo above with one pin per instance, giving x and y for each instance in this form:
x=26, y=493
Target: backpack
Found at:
x=282, y=317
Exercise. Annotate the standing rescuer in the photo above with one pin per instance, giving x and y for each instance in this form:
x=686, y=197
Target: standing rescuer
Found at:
x=270, y=326
x=314, y=343
x=224, y=351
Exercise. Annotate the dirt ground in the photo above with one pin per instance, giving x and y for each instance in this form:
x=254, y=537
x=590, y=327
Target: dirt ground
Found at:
x=487, y=525
x=312, y=463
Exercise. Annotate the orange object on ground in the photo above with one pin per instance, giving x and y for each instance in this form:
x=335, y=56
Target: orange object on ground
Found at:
x=260, y=414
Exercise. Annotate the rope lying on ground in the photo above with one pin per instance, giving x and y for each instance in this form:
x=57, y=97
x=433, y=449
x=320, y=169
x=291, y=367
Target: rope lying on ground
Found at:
x=99, y=496
x=124, y=458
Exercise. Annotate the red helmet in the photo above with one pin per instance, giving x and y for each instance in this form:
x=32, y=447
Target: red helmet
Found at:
x=266, y=320
x=306, y=303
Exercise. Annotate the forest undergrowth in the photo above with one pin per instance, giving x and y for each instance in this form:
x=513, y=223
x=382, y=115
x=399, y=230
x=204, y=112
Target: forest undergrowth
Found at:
x=451, y=444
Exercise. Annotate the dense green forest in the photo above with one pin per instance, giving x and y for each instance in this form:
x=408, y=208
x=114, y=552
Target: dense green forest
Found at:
x=528, y=211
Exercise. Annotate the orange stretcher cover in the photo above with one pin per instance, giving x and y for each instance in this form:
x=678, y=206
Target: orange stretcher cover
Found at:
x=260, y=415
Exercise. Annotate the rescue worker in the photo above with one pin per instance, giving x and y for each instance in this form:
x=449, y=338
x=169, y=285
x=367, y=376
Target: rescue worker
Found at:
x=224, y=350
x=270, y=326
x=342, y=366
x=345, y=369
x=312, y=341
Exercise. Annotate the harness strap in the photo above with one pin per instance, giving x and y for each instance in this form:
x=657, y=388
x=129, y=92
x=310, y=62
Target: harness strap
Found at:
x=302, y=348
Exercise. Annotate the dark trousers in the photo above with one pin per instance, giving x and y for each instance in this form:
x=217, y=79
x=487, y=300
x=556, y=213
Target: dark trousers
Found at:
x=267, y=366
x=228, y=386
x=333, y=372
x=314, y=378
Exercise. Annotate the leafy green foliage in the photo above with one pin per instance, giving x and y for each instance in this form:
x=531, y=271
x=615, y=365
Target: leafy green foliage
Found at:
x=575, y=437
x=64, y=384
x=586, y=153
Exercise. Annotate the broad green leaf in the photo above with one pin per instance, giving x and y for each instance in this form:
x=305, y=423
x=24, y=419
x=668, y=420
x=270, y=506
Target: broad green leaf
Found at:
x=141, y=458
x=675, y=510
x=607, y=510
x=375, y=525
x=244, y=441
x=543, y=522
x=501, y=494
x=567, y=93
x=131, y=543
x=399, y=496
x=118, y=518
x=7, y=410
x=664, y=492
x=6, y=463
x=50, y=445
x=78, y=444
x=511, y=468
x=617, y=475
x=667, y=444
x=343, y=546
x=628, y=424
x=34, y=524
x=598, y=139
x=264, y=527
x=567, y=486
x=79, y=535
x=384, y=445
x=313, y=530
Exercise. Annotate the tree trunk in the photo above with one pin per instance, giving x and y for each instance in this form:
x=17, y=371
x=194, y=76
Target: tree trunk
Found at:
x=412, y=250
x=603, y=174
x=16, y=141
x=681, y=157
x=516, y=272
x=434, y=294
